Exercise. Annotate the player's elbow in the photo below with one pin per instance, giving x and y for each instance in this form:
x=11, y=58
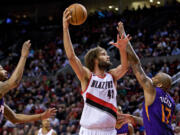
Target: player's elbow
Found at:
x=71, y=56
x=15, y=121
x=125, y=68
x=13, y=83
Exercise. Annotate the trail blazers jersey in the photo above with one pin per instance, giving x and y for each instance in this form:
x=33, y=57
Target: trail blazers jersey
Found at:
x=100, y=106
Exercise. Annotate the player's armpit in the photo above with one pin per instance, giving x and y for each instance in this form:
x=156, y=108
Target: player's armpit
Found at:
x=3, y=87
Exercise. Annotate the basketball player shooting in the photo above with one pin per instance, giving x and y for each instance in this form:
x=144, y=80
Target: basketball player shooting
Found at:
x=159, y=106
x=8, y=84
x=98, y=85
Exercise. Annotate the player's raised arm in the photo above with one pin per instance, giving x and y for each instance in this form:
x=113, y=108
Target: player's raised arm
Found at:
x=22, y=118
x=15, y=79
x=121, y=44
x=143, y=79
x=81, y=71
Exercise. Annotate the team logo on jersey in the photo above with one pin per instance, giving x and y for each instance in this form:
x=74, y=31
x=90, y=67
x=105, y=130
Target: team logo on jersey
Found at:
x=102, y=85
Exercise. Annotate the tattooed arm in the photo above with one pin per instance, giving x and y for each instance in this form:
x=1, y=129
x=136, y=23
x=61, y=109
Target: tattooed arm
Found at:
x=143, y=79
x=121, y=44
x=15, y=79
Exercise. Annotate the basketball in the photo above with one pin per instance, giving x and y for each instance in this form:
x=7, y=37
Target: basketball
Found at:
x=78, y=13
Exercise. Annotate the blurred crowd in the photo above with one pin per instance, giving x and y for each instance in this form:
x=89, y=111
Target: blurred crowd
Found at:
x=43, y=86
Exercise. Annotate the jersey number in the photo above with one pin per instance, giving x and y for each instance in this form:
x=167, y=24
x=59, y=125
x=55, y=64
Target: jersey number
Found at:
x=165, y=109
x=110, y=94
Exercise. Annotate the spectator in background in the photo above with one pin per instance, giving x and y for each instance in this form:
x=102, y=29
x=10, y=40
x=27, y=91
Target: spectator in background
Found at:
x=54, y=122
x=46, y=128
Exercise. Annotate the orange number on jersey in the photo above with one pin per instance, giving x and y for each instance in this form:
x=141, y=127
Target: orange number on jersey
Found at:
x=163, y=114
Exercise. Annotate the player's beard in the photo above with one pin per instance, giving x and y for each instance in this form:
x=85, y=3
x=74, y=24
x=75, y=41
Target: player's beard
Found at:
x=103, y=65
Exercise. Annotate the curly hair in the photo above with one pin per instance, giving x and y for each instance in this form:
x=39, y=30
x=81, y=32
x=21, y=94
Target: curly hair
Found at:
x=90, y=57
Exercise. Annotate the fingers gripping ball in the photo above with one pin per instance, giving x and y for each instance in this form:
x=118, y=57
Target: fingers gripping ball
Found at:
x=78, y=14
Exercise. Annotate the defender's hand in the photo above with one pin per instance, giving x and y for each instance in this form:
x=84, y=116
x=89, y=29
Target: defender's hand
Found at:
x=49, y=113
x=121, y=42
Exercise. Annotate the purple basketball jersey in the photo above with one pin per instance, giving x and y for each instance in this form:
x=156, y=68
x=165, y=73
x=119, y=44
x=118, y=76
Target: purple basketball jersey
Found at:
x=157, y=117
x=123, y=129
x=1, y=109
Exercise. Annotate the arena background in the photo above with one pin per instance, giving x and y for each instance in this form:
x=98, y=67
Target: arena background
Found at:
x=48, y=79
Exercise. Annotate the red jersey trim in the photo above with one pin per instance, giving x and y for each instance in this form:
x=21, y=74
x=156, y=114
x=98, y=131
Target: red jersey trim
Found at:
x=101, y=76
x=82, y=92
x=101, y=102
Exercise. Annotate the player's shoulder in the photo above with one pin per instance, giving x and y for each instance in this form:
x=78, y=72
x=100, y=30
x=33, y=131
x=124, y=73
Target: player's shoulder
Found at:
x=109, y=74
x=88, y=73
x=54, y=132
x=37, y=131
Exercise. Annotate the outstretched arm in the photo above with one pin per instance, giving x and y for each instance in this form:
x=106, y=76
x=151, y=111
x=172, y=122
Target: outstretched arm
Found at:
x=121, y=44
x=81, y=71
x=127, y=118
x=22, y=118
x=143, y=79
x=15, y=79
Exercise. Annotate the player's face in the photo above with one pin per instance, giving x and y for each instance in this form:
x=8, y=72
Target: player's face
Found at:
x=156, y=80
x=162, y=80
x=103, y=60
x=3, y=74
x=46, y=123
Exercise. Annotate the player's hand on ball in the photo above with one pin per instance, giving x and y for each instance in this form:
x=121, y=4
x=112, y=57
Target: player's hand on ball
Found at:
x=49, y=113
x=121, y=42
x=66, y=18
x=25, y=48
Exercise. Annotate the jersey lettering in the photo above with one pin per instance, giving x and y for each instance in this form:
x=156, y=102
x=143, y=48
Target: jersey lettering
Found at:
x=102, y=85
x=166, y=101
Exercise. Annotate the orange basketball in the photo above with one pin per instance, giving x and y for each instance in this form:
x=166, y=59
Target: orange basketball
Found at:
x=78, y=13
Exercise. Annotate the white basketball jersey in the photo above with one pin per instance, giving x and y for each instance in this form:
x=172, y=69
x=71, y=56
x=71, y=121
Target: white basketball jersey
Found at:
x=100, y=105
x=49, y=133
